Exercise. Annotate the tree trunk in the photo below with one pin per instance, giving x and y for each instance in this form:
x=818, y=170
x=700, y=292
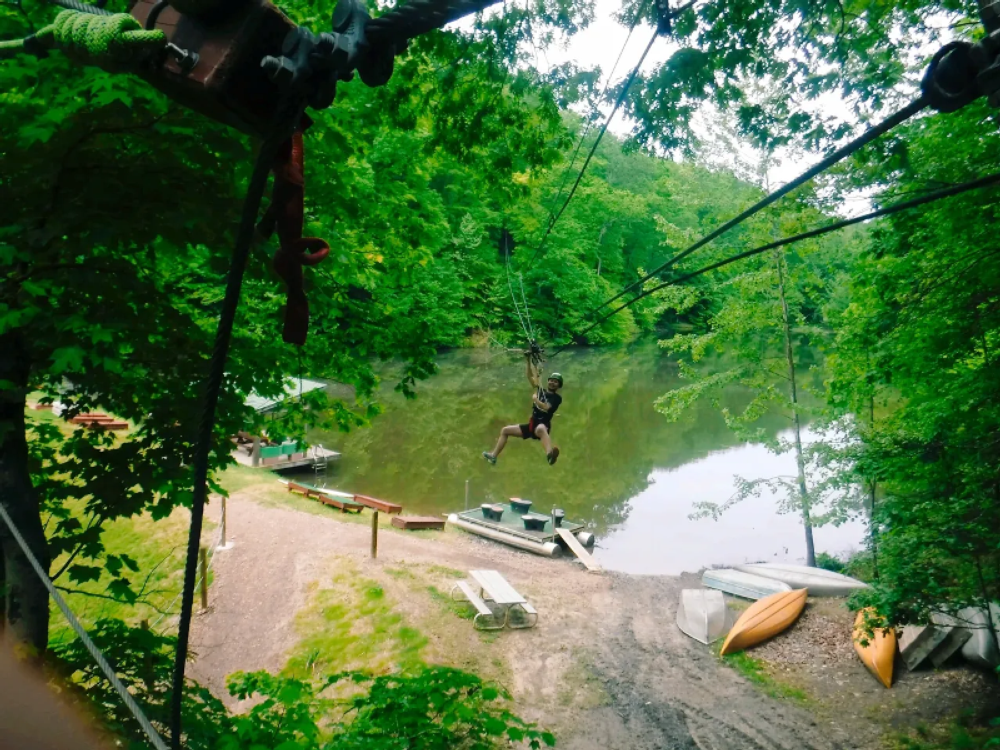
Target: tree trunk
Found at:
x=799, y=458
x=872, y=488
x=26, y=601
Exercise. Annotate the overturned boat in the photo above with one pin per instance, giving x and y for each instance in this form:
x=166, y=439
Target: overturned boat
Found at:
x=738, y=583
x=820, y=582
x=764, y=619
x=703, y=615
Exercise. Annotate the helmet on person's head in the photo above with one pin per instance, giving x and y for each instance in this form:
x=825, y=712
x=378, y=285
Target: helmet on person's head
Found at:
x=556, y=376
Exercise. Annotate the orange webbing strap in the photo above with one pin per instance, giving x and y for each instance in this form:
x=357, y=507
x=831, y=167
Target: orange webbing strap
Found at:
x=286, y=215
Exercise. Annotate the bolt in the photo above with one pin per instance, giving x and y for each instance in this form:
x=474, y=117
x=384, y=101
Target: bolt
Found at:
x=281, y=70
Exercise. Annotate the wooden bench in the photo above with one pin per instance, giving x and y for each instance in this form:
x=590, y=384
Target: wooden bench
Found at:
x=413, y=523
x=375, y=504
x=328, y=497
x=483, y=609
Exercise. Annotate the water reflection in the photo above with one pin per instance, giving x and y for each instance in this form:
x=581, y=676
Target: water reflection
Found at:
x=623, y=469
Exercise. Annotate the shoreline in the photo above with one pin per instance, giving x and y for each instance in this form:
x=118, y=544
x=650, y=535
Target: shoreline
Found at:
x=605, y=668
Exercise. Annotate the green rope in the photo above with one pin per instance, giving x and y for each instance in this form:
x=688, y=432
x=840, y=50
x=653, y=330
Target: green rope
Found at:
x=109, y=42
x=10, y=48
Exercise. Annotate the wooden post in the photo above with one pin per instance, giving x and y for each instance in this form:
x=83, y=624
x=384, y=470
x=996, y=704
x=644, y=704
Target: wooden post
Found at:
x=466, y=494
x=222, y=532
x=374, y=534
x=147, y=664
x=204, y=579
x=255, y=453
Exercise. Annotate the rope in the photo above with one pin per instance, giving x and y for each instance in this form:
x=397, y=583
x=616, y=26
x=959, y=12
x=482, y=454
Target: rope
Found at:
x=524, y=303
x=510, y=286
x=109, y=672
x=217, y=368
x=889, y=210
x=593, y=149
x=863, y=140
x=103, y=40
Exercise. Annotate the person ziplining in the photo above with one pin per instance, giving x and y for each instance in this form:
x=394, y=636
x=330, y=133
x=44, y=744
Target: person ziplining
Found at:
x=544, y=403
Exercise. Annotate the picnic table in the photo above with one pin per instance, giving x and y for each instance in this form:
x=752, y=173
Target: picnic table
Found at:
x=494, y=587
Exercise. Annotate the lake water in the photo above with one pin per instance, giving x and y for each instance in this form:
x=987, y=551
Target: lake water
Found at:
x=624, y=470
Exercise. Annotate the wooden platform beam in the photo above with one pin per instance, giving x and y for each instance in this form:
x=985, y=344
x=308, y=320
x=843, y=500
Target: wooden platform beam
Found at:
x=574, y=544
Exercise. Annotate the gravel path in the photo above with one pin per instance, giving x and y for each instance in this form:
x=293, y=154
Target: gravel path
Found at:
x=660, y=690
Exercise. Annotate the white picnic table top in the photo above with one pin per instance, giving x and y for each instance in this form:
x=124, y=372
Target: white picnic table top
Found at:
x=497, y=587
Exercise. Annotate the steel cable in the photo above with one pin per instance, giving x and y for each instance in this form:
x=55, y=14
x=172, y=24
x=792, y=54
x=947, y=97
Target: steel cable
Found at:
x=154, y=737
x=887, y=211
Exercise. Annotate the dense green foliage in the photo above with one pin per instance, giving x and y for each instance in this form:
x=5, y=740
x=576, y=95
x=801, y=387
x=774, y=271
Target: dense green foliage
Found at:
x=116, y=217
x=430, y=708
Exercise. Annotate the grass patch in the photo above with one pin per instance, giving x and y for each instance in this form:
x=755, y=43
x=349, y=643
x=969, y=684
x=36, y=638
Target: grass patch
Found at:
x=441, y=570
x=962, y=733
x=159, y=548
x=352, y=625
x=757, y=672
x=458, y=608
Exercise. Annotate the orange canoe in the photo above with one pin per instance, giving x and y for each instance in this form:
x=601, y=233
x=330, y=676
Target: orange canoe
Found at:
x=764, y=619
x=880, y=653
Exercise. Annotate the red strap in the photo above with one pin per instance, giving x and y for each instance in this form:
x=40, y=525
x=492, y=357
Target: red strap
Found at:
x=286, y=214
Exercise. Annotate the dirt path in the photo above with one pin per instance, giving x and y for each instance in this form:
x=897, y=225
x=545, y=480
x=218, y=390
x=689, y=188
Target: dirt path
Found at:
x=606, y=667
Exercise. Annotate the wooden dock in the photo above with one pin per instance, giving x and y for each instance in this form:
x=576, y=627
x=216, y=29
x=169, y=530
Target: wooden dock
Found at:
x=414, y=523
x=375, y=504
x=245, y=455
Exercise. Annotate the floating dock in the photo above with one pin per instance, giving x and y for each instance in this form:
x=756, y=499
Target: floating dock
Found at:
x=510, y=530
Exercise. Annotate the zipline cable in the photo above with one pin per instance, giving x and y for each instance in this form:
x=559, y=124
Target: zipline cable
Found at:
x=217, y=368
x=597, y=142
x=928, y=198
x=154, y=738
x=590, y=124
x=864, y=139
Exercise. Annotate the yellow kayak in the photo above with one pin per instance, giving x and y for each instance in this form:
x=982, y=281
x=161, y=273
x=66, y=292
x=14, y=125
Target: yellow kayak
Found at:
x=764, y=619
x=880, y=653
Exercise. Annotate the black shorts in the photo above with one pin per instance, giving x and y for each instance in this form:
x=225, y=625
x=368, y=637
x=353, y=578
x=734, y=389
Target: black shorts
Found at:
x=528, y=430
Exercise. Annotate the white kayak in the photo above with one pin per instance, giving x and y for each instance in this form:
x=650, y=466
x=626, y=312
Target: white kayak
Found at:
x=981, y=648
x=819, y=582
x=703, y=615
x=739, y=583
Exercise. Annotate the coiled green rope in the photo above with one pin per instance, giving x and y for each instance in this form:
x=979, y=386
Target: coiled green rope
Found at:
x=111, y=42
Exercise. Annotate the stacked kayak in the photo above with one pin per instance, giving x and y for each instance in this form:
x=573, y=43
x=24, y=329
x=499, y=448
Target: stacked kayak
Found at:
x=819, y=582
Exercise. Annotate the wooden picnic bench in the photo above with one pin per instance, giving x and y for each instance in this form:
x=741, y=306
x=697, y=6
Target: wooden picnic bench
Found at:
x=375, y=504
x=494, y=587
x=332, y=498
x=414, y=523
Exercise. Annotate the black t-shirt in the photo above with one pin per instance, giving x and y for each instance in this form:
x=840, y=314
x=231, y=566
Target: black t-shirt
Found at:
x=545, y=417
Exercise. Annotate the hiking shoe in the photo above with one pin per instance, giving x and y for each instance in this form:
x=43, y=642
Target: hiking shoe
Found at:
x=553, y=456
x=491, y=458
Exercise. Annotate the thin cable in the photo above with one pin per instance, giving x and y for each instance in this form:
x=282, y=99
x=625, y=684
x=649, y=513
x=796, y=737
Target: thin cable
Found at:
x=593, y=149
x=604, y=91
x=524, y=302
x=217, y=368
x=929, y=198
x=154, y=738
x=510, y=286
x=864, y=139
